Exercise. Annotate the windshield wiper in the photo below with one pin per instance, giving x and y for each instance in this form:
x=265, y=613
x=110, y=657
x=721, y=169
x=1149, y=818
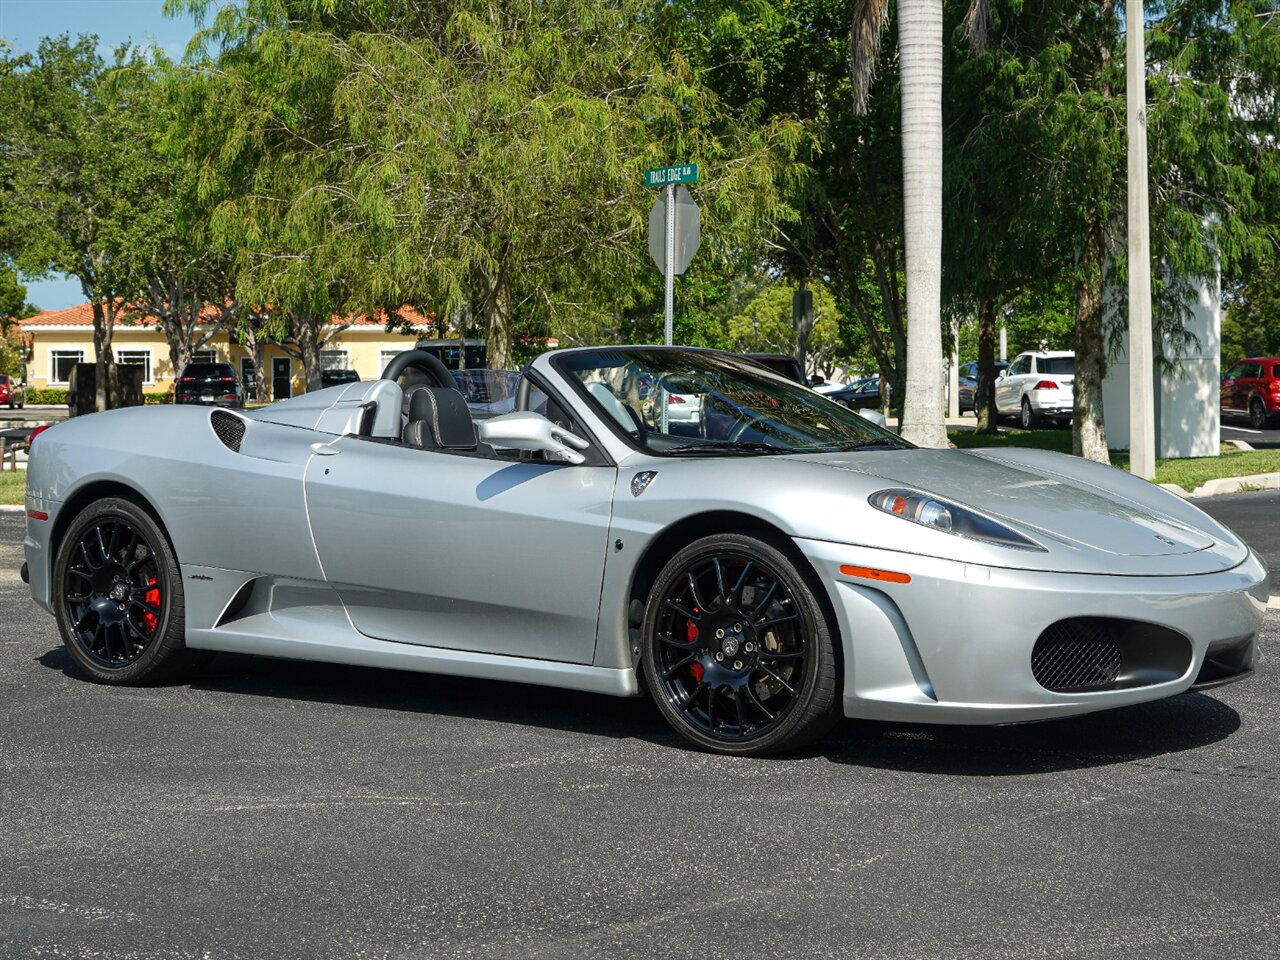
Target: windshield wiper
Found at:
x=729, y=446
x=879, y=443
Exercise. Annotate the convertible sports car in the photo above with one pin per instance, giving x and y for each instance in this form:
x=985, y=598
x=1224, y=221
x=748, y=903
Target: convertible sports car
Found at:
x=783, y=564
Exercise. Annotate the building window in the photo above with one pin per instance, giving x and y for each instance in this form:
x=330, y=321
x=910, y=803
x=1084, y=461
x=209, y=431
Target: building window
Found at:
x=385, y=357
x=204, y=356
x=61, y=362
x=333, y=360
x=138, y=358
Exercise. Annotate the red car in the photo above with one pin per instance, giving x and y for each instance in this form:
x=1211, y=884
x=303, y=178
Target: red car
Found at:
x=11, y=393
x=1251, y=389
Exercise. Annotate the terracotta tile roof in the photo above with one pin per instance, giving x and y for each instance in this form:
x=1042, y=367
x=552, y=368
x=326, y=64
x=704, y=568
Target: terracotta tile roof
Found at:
x=82, y=315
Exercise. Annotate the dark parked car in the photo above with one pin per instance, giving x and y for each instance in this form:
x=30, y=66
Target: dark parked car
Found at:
x=780, y=363
x=331, y=378
x=1251, y=389
x=212, y=384
x=12, y=392
x=860, y=395
x=969, y=382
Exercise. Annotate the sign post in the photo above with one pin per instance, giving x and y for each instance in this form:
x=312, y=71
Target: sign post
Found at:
x=674, y=231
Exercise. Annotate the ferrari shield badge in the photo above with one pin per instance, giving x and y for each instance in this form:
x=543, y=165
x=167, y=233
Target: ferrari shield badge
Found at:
x=640, y=482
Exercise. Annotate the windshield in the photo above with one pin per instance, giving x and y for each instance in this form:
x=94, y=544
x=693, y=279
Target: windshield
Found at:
x=675, y=401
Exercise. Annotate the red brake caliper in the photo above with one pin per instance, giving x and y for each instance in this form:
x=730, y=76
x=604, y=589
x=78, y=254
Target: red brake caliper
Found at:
x=691, y=634
x=152, y=598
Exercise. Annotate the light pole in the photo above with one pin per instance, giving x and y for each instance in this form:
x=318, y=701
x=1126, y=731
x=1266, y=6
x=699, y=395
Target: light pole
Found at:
x=1142, y=439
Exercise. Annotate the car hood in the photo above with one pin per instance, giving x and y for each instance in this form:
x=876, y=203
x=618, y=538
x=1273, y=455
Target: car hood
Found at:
x=1042, y=506
x=1087, y=518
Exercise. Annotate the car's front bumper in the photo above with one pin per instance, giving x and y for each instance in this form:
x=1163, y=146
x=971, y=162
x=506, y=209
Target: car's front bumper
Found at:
x=954, y=644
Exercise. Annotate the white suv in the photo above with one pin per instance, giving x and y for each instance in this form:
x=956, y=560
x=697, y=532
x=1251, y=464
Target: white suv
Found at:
x=1038, y=386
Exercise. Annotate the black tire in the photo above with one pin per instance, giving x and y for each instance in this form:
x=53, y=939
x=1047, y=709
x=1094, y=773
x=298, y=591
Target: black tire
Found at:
x=1027, y=417
x=117, y=596
x=1257, y=414
x=778, y=679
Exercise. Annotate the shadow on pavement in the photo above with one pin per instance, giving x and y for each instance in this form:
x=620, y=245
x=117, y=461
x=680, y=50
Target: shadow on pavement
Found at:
x=1115, y=736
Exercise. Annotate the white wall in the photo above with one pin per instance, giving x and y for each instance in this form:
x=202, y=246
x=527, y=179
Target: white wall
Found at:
x=1186, y=399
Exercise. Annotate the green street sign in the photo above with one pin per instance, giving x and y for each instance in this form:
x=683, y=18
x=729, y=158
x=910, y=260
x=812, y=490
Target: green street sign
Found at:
x=665, y=176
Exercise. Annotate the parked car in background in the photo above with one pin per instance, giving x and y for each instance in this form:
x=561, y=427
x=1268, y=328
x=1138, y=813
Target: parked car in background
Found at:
x=862, y=394
x=331, y=378
x=1038, y=386
x=968, y=377
x=12, y=392
x=780, y=363
x=211, y=384
x=1251, y=388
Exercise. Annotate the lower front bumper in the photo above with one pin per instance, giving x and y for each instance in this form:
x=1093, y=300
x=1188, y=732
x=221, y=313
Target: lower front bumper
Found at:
x=954, y=644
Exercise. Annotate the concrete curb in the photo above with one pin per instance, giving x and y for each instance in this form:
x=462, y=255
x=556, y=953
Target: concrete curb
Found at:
x=1222, y=485
x=12, y=508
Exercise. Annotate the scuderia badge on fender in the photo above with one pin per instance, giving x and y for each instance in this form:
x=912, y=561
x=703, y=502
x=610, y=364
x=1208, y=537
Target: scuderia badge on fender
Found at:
x=640, y=482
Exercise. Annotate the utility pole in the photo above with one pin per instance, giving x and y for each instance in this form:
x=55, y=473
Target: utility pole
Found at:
x=1142, y=434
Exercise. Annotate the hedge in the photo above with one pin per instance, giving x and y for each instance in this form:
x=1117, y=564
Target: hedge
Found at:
x=57, y=397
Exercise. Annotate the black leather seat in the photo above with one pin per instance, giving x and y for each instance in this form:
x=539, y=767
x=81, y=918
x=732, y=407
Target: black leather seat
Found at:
x=439, y=419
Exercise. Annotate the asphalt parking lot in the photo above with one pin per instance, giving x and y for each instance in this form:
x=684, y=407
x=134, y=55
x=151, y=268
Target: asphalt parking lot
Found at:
x=277, y=809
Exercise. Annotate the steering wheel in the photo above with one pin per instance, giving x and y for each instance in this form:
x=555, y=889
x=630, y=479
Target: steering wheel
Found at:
x=429, y=364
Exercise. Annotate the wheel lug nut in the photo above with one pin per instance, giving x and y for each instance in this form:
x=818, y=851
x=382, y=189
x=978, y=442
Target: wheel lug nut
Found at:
x=737, y=628
x=737, y=664
x=749, y=646
x=719, y=656
x=719, y=634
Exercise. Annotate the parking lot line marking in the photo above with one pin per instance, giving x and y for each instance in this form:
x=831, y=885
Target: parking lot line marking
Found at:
x=1274, y=602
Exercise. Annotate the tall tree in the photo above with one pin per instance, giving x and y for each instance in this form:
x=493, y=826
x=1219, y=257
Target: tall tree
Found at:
x=75, y=164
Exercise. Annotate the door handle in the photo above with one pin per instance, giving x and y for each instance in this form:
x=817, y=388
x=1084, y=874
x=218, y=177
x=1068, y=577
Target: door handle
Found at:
x=324, y=450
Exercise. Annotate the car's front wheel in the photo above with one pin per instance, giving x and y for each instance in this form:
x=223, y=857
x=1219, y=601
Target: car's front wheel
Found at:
x=737, y=649
x=118, y=596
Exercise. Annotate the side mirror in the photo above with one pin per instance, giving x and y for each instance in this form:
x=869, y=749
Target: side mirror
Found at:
x=875, y=416
x=1002, y=374
x=531, y=431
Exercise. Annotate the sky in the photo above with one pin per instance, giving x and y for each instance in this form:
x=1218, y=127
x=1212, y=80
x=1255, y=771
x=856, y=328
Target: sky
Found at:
x=24, y=22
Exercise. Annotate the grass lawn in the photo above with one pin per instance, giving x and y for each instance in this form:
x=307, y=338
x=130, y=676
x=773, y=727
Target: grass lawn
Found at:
x=1187, y=474
x=12, y=484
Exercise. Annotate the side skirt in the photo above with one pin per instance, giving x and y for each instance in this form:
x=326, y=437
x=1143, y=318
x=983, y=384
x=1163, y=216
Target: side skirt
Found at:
x=325, y=634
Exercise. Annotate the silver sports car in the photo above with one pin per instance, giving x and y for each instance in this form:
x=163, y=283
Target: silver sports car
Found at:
x=783, y=563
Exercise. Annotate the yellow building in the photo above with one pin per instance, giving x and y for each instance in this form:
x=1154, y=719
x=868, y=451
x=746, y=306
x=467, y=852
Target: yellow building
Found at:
x=62, y=338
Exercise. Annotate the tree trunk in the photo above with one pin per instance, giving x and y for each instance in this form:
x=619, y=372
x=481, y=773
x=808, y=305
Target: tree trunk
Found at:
x=984, y=400
x=920, y=56
x=106, y=391
x=307, y=334
x=497, y=320
x=1088, y=432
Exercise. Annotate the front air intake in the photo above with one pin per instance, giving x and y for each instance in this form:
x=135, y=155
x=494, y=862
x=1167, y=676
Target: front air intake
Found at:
x=1089, y=654
x=229, y=428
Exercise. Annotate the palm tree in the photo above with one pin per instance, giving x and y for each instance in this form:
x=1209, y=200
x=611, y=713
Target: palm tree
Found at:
x=920, y=64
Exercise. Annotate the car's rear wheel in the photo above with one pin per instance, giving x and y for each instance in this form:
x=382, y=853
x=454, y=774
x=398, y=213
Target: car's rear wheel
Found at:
x=1257, y=414
x=118, y=596
x=737, y=649
x=1027, y=418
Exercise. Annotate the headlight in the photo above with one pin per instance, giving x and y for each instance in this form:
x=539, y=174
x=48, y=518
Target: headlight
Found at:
x=930, y=511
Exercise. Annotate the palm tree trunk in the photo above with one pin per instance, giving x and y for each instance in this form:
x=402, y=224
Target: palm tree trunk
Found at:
x=920, y=56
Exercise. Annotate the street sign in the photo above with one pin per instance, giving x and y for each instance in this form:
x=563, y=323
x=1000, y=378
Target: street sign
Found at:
x=666, y=176
x=687, y=230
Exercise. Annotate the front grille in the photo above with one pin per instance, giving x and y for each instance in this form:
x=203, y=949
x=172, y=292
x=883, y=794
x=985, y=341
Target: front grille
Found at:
x=1077, y=654
x=229, y=428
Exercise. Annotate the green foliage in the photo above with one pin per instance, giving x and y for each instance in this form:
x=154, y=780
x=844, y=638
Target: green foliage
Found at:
x=1251, y=324
x=47, y=395
x=764, y=325
x=13, y=299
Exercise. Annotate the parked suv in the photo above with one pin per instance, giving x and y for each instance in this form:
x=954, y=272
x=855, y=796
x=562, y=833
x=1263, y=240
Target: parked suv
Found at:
x=1038, y=386
x=1251, y=389
x=215, y=384
x=331, y=378
x=12, y=392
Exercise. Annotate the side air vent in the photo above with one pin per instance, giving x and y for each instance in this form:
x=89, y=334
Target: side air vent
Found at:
x=1087, y=654
x=229, y=428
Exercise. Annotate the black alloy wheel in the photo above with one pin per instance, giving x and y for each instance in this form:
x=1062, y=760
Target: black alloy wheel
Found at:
x=118, y=596
x=737, y=649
